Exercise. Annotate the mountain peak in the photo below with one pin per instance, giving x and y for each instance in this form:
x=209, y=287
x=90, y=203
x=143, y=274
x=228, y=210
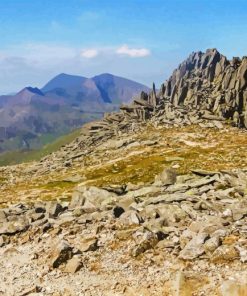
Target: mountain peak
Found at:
x=66, y=75
x=104, y=75
x=63, y=80
x=34, y=90
x=31, y=90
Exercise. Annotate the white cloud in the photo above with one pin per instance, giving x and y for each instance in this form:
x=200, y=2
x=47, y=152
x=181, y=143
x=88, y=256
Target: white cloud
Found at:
x=133, y=52
x=46, y=52
x=89, y=53
x=35, y=63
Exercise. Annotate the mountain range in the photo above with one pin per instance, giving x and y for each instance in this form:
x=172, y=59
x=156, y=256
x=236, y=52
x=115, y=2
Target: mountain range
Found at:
x=33, y=117
x=150, y=200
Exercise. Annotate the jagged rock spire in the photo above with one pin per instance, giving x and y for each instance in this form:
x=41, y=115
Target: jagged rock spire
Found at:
x=204, y=81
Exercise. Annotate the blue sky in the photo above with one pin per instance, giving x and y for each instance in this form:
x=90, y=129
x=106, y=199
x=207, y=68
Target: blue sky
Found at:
x=138, y=39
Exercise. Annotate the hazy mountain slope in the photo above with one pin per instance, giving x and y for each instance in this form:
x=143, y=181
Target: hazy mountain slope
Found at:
x=15, y=157
x=116, y=89
x=34, y=116
x=104, y=88
x=63, y=81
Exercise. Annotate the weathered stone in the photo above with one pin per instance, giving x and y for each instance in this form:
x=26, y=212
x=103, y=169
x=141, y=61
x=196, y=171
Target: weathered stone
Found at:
x=3, y=217
x=185, y=285
x=130, y=218
x=211, y=245
x=12, y=227
x=31, y=291
x=61, y=253
x=39, y=208
x=92, y=194
x=203, y=182
x=124, y=234
x=167, y=177
x=194, y=248
x=146, y=244
x=88, y=207
x=77, y=200
x=73, y=265
x=53, y=209
x=4, y=240
x=88, y=244
x=141, y=192
x=224, y=253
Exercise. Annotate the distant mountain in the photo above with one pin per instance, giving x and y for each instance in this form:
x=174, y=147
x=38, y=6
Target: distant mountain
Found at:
x=92, y=93
x=117, y=90
x=32, y=117
x=65, y=81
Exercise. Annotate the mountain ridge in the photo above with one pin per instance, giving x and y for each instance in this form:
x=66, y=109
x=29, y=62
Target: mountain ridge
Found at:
x=153, y=196
x=64, y=103
x=205, y=90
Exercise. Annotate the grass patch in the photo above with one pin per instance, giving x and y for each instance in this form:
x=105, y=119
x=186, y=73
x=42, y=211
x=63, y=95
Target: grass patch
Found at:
x=16, y=157
x=58, y=185
x=214, y=150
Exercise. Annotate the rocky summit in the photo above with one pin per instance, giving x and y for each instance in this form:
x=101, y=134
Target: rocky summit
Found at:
x=151, y=200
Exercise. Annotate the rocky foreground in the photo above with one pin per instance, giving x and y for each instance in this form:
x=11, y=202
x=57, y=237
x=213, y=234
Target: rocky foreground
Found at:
x=180, y=235
x=151, y=200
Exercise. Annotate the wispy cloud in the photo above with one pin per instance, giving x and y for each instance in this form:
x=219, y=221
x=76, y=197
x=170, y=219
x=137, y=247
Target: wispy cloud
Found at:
x=46, y=52
x=133, y=52
x=33, y=63
x=89, y=53
x=89, y=16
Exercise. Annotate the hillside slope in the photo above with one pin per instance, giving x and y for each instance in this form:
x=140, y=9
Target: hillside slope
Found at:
x=150, y=200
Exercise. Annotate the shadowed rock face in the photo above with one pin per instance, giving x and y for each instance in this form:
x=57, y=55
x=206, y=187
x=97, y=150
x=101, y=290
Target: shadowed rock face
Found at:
x=209, y=81
x=206, y=82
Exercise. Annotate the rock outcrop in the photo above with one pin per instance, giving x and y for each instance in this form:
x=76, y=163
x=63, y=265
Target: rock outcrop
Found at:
x=205, y=86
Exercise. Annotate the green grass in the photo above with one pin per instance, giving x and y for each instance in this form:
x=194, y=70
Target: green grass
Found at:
x=15, y=157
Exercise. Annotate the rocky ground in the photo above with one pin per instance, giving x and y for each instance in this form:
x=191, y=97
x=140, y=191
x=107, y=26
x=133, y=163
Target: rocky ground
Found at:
x=147, y=201
x=156, y=226
x=180, y=235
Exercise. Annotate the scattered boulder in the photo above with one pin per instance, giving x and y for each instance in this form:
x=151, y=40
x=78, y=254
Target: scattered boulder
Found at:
x=3, y=216
x=88, y=244
x=167, y=177
x=149, y=242
x=131, y=218
x=224, y=253
x=61, y=253
x=77, y=200
x=194, y=248
x=73, y=265
x=15, y=226
x=53, y=209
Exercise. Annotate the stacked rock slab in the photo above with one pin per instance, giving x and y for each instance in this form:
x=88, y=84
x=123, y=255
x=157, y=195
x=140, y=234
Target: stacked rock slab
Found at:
x=142, y=106
x=208, y=82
